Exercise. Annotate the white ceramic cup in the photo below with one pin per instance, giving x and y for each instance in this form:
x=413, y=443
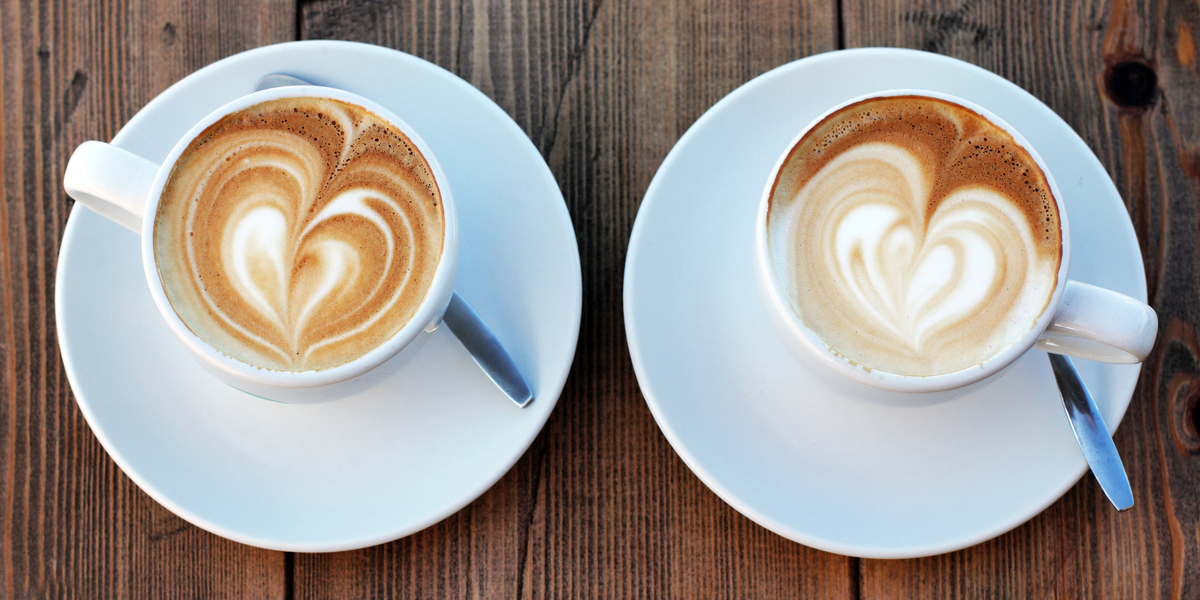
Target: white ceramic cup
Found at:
x=1080, y=320
x=126, y=188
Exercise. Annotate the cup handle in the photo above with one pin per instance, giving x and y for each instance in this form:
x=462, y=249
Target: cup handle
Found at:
x=113, y=182
x=1101, y=325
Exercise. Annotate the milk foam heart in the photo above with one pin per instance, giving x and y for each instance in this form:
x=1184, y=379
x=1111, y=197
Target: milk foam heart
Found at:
x=298, y=234
x=914, y=236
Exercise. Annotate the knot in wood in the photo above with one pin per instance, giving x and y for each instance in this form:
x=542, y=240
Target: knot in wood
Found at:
x=1131, y=84
x=1183, y=394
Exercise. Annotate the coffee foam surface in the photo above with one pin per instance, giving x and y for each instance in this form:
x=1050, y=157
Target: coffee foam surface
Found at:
x=299, y=233
x=913, y=236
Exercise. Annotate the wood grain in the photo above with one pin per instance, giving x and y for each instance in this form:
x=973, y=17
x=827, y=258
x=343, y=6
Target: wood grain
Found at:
x=600, y=507
x=1067, y=54
x=72, y=524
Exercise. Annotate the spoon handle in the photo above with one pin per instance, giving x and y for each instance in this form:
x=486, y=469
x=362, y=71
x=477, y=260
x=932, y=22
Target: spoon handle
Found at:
x=1093, y=436
x=487, y=351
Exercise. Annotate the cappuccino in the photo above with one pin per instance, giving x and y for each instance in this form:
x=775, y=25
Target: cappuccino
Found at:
x=913, y=235
x=298, y=234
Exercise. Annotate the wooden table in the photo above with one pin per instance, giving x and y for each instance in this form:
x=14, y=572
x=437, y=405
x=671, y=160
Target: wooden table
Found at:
x=600, y=506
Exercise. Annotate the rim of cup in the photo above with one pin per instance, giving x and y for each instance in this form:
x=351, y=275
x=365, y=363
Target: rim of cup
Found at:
x=828, y=356
x=430, y=308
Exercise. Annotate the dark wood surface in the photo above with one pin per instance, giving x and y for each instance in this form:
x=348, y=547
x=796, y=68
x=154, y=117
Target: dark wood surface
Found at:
x=600, y=506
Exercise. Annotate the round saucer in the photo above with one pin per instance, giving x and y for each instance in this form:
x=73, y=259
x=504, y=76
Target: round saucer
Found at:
x=833, y=472
x=366, y=469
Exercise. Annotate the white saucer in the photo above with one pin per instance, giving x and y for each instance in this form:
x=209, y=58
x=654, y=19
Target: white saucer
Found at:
x=370, y=468
x=835, y=473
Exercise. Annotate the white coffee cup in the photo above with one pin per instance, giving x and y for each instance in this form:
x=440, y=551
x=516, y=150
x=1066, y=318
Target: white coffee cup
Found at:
x=1080, y=320
x=126, y=188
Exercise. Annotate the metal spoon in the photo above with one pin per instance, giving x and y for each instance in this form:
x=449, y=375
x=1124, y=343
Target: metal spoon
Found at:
x=474, y=334
x=1093, y=436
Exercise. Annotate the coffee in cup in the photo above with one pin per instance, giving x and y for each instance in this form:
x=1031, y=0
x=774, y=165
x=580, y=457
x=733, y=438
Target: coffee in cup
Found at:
x=296, y=240
x=299, y=233
x=914, y=242
x=913, y=235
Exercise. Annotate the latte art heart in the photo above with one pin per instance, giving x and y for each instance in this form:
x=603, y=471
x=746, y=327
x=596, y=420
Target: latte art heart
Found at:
x=298, y=234
x=914, y=238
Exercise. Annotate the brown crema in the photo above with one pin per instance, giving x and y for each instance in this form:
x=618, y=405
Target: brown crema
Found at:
x=298, y=234
x=913, y=235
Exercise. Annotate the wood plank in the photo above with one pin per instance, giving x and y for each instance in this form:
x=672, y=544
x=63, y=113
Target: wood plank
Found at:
x=72, y=524
x=600, y=506
x=1145, y=133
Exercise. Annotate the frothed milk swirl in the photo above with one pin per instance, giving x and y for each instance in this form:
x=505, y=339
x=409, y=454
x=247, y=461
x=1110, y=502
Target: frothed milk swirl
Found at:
x=299, y=233
x=913, y=235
